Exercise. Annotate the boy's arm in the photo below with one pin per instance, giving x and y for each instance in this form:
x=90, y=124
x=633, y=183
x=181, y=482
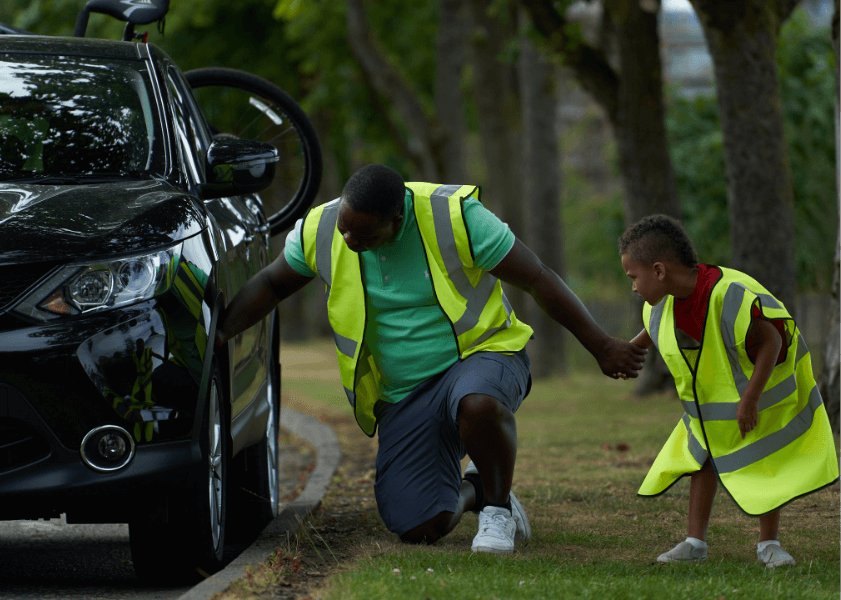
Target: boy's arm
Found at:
x=763, y=339
x=642, y=339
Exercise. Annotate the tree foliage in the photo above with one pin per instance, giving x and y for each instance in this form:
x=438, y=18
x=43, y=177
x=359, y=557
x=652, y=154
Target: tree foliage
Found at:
x=302, y=46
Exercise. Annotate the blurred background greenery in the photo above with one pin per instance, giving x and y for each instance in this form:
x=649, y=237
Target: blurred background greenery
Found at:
x=314, y=50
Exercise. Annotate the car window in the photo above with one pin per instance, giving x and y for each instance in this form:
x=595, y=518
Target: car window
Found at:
x=190, y=129
x=66, y=116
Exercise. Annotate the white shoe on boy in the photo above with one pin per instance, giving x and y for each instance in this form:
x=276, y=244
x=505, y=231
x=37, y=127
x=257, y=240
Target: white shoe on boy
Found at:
x=772, y=555
x=691, y=550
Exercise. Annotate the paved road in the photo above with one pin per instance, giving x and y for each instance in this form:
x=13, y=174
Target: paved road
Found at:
x=53, y=560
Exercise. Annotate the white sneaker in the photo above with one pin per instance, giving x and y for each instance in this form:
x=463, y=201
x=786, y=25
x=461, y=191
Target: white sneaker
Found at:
x=774, y=556
x=496, y=531
x=684, y=552
x=521, y=519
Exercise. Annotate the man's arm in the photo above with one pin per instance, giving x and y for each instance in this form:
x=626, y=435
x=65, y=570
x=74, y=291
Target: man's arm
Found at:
x=523, y=269
x=258, y=297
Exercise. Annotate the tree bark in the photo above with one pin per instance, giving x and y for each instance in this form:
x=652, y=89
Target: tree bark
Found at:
x=830, y=384
x=498, y=109
x=451, y=50
x=631, y=98
x=742, y=39
x=499, y=113
x=640, y=121
x=542, y=189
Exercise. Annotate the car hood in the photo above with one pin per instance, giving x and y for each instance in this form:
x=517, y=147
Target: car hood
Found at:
x=54, y=222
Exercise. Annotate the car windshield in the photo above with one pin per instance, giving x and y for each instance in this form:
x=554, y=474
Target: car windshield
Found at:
x=64, y=117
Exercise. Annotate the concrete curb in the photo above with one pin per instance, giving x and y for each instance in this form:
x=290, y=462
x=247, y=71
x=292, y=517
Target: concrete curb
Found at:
x=287, y=522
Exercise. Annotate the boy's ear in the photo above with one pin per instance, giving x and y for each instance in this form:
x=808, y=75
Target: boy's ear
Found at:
x=659, y=270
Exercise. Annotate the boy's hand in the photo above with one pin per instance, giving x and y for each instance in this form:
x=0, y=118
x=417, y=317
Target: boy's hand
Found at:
x=747, y=414
x=620, y=359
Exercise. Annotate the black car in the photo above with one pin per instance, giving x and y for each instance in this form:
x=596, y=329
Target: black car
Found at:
x=126, y=224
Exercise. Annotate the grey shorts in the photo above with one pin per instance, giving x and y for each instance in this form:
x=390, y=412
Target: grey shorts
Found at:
x=419, y=454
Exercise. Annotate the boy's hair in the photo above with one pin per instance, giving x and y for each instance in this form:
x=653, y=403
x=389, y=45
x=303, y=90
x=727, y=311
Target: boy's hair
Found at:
x=375, y=189
x=657, y=238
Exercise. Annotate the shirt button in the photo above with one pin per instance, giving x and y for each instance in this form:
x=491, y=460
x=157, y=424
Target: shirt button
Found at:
x=382, y=257
x=385, y=278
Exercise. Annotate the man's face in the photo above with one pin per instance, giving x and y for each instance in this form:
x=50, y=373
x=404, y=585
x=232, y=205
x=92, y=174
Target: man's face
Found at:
x=364, y=231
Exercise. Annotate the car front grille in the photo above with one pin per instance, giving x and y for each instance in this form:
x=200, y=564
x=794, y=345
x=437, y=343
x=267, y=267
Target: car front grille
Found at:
x=20, y=445
x=16, y=279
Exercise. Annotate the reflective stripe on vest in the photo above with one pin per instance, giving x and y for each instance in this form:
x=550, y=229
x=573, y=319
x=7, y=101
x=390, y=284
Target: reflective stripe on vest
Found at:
x=710, y=390
x=471, y=299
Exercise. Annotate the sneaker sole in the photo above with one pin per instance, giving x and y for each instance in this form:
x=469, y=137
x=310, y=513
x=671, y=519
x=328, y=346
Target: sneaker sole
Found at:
x=669, y=561
x=780, y=564
x=492, y=550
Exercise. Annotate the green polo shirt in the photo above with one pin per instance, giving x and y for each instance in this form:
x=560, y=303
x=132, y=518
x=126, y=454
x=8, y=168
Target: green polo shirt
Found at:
x=408, y=334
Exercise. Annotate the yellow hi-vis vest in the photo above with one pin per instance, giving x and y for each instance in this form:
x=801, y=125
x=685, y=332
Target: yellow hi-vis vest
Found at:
x=471, y=299
x=790, y=453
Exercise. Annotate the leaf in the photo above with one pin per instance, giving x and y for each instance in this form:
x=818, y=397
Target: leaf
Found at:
x=288, y=9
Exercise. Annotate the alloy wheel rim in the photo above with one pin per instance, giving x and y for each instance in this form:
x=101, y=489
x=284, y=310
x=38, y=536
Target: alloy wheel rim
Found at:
x=215, y=466
x=271, y=448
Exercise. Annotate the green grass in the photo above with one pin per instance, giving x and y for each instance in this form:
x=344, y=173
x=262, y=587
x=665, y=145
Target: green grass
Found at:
x=585, y=444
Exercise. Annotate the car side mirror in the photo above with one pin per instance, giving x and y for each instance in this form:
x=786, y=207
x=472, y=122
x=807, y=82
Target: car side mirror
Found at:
x=234, y=166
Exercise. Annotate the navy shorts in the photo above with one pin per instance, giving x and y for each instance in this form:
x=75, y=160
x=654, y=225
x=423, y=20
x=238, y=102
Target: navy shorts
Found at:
x=419, y=454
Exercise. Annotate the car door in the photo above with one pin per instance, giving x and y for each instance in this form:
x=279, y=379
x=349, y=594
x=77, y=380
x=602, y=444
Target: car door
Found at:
x=242, y=241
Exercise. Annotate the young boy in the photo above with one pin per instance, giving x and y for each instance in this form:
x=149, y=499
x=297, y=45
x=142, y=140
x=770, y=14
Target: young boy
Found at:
x=753, y=417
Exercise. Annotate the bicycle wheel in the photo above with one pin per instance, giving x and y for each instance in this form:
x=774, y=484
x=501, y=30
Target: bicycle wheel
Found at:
x=251, y=107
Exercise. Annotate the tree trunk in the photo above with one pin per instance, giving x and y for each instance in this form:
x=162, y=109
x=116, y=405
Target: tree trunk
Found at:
x=632, y=100
x=499, y=115
x=542, y=189
x=451, y=49
x=640, y=123
x=742, y=39
x=431, y=141
x=830, y=385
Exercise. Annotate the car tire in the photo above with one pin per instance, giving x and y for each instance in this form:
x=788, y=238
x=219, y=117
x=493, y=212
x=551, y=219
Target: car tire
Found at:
x=182, y=540
x=255, y=497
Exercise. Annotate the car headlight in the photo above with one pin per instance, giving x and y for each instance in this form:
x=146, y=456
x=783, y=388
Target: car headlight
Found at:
x=93, y=287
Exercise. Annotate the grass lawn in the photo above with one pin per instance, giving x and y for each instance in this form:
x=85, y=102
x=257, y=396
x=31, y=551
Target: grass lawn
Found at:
x=585, y=444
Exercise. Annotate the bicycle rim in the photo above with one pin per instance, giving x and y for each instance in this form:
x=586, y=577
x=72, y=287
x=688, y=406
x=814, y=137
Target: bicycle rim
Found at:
x=250, y=107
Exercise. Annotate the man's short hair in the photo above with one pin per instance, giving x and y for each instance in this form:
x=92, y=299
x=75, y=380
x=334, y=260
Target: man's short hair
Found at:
x=375, y=189
x=658, y=238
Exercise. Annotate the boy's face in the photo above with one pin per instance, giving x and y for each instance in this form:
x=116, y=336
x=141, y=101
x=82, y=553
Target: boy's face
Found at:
x=647, y=280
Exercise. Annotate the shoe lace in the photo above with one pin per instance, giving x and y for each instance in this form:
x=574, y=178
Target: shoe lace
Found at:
x=492, y=523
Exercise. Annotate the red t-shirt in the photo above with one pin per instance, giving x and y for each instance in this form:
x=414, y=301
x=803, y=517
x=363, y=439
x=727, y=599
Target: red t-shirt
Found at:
x=690, y=312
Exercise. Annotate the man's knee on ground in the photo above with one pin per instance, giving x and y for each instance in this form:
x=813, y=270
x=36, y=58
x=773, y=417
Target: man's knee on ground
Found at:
x=430, y=531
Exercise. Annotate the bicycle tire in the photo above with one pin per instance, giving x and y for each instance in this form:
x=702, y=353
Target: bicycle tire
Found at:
x=252, y=107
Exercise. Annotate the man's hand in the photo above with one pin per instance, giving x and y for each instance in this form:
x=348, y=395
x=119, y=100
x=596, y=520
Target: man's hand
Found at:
x=620, y=359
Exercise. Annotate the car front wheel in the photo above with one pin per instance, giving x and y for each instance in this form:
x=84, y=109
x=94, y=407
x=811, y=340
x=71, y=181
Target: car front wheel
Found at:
x=255, y=496
x=183, y=538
